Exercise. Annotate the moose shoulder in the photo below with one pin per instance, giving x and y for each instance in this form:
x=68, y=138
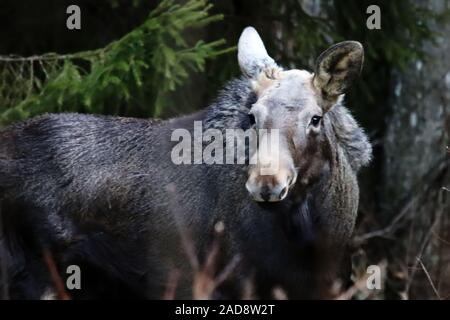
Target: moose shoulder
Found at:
x=103, y=192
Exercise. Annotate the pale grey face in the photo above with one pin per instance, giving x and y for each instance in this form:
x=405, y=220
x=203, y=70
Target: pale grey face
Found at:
x=289, y=104
x=294, y=103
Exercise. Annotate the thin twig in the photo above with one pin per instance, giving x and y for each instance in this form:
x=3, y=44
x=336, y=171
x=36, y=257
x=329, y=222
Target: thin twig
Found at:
x=229, y=268
x=359, y=285
x=440, y=238
x=57, y=281
x=51, y=56
x=386, y=231
x=423, y=246
x=429, y=278
x=172, y=284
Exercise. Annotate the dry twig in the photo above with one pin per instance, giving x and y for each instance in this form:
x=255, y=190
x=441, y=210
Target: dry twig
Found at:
x=56, y=279
x=429, y=278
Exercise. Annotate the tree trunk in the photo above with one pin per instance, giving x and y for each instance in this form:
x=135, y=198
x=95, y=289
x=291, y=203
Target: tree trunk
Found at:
x=416, y=162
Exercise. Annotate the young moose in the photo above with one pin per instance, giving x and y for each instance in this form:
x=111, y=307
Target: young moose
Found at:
x=102, y=192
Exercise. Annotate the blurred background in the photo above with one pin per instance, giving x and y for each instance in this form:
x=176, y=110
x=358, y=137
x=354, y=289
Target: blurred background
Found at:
x=146, y=58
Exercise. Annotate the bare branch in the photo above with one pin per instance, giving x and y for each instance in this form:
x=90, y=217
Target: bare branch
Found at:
x=57, y=281
x=429, y=278
x=387, y=231
x=359, y=285
x=172, y=284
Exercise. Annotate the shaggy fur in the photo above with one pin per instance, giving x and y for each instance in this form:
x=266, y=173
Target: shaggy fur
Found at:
x=102, y=192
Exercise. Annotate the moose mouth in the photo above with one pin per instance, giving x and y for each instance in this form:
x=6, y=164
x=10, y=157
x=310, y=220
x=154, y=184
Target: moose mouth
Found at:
x=270, y=192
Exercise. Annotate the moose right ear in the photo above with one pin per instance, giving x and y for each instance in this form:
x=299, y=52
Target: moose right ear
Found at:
x=337, y=68
x=252, y=55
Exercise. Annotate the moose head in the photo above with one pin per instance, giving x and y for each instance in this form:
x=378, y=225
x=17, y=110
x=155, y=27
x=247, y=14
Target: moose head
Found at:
x=295, y=102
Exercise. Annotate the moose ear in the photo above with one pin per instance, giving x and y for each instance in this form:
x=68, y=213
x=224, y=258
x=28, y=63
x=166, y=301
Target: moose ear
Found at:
x=252, y=55
x=337, y=67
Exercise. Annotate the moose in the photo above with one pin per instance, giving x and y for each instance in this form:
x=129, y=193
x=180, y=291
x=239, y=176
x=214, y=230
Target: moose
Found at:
x=102, y=193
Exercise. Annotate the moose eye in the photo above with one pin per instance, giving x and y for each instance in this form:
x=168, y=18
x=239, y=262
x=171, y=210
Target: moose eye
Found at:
x=315, y=120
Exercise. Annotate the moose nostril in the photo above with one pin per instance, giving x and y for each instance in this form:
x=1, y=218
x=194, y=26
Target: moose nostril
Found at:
x=265, y=193
x=282, y=193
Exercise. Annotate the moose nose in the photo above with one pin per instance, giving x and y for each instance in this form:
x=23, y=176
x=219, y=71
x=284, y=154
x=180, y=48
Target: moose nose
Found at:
x=267, y=193
x=270, y=188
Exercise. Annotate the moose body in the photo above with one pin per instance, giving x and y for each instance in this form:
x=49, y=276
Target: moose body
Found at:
x=102, y=192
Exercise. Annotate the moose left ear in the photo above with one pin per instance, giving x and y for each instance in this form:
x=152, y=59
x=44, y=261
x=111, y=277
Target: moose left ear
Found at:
x=252, y=55
x=337, y=67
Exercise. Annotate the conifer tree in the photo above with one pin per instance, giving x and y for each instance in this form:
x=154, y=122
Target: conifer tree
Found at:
x=130, y=76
